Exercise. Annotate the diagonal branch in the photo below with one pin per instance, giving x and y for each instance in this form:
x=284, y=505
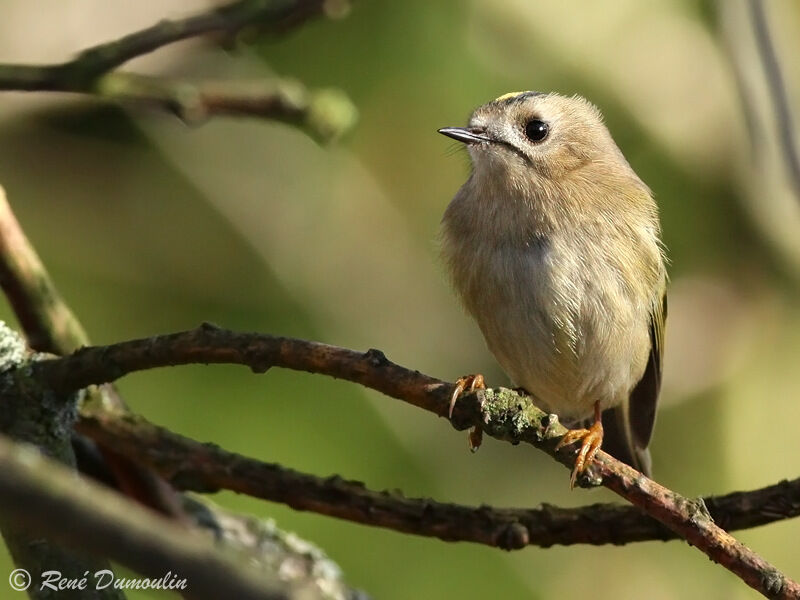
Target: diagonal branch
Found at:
x=190, y=465
x=298, y=562
x=49, y=325
x=503, y=414
x=44, y=496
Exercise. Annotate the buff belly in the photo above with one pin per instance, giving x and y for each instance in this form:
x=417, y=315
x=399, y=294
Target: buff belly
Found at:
x=558, y=337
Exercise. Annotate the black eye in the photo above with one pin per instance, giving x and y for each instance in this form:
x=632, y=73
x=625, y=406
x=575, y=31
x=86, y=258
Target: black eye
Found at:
x=536, y=130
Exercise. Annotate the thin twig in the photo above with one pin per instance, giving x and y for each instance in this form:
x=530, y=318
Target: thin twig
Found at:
x=43, y=495
x=324, y=114
x=777, y=92
x=503, y=414
x=193, y=466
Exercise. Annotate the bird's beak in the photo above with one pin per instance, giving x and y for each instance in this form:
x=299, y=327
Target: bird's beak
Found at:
x=468, y=135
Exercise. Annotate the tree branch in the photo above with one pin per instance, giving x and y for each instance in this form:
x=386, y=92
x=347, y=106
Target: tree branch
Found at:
x=52, y=327
x=42, y=495
x=324, y=114
x=33, y=414
x=80, y=73
x=267, y=16
x=298, y=562
x=190, y=465
x=503, y=414
x=49, y=325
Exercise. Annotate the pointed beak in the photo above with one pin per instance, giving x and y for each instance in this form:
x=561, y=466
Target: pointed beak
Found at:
x=468, y=135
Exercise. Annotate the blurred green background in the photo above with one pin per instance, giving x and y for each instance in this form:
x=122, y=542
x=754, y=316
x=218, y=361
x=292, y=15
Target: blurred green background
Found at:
x=150, y=226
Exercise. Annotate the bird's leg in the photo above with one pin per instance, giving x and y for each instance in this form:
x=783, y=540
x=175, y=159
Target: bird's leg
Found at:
x=475, y=438
x=591, y=439
x=468, y=383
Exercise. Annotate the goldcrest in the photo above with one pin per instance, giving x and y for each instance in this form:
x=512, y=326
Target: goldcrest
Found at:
x=553, y=245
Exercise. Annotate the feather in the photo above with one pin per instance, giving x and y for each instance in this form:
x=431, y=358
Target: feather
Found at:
x=629, y=427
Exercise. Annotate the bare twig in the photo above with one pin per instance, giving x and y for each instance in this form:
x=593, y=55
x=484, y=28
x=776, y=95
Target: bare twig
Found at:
x=503, y=414
x=190, y=465
x=45, y=496
x=777, y=92
x=325, y=114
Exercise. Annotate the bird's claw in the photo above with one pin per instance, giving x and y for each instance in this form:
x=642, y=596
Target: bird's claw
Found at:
x=468, y=383
x=591, y=439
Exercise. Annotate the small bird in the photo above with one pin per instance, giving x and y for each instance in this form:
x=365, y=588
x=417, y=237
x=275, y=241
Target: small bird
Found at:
x=553, y=244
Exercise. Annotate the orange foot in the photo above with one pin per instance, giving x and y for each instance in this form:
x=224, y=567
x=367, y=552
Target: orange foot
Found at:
x=591, y=440
x=468, y=383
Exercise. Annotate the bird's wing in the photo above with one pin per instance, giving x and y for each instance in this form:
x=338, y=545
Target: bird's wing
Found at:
x=629, y=427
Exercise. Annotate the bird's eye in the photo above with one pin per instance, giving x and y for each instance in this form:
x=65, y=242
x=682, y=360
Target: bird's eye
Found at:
x=536, y=130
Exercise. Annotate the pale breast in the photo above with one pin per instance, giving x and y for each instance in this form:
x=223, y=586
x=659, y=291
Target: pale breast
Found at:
x=565, y=321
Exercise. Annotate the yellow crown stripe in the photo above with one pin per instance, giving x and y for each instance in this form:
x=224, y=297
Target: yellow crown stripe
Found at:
x=509, y=95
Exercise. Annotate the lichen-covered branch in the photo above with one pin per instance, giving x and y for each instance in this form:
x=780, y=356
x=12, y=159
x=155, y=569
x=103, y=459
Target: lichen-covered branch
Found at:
x=43, y=496
x=503, y=414
x=190, y=465
x=36, y=415
x=298, y=562
x=324, y=114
